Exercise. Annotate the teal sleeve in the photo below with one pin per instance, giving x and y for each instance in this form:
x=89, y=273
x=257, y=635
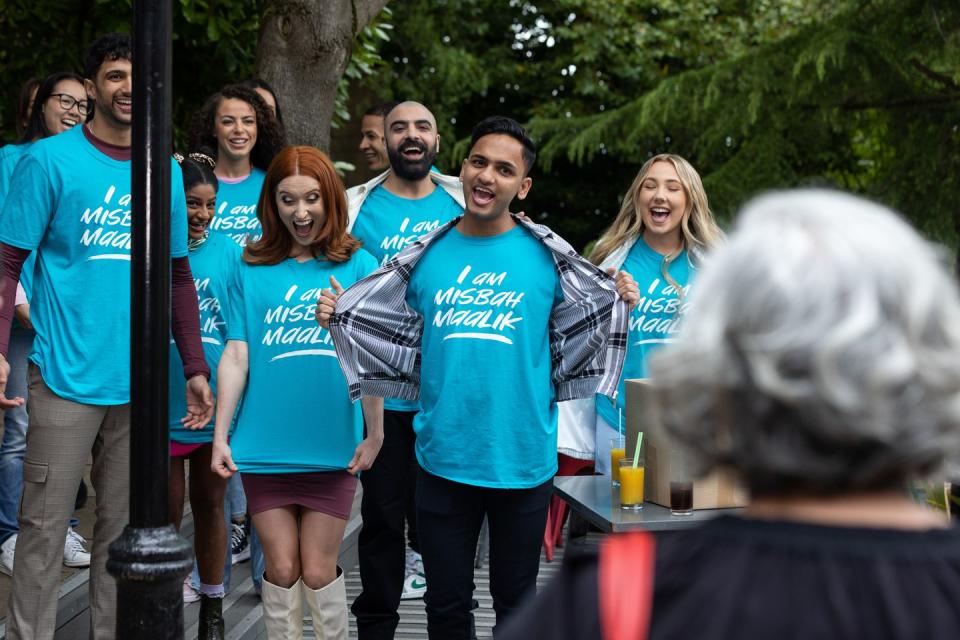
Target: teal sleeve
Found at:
x=178, y=214
x=29, y=206
x=231, y=282
x=236, y=310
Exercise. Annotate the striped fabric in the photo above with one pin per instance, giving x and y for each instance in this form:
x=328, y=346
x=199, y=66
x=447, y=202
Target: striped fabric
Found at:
x=377, y=334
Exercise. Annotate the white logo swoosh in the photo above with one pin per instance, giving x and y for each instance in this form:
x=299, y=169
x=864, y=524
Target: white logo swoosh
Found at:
x=306, y=352
x=479, y=336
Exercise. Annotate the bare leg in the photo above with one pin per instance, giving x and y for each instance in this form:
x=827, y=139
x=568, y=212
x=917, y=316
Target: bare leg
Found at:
x=320, y=537
x=177, y=487
x=279, y=534
x=206, y=498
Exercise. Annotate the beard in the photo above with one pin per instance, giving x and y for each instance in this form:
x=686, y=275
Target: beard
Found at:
x=104, y=107
x=407, y=169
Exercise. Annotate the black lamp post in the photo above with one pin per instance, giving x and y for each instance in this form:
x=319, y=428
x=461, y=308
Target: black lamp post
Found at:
x=150, y=559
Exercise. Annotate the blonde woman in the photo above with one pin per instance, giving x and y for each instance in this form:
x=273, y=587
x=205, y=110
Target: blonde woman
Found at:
x=659, y=237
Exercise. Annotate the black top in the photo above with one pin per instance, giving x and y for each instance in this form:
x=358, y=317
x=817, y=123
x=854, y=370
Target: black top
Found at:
x=753, y=579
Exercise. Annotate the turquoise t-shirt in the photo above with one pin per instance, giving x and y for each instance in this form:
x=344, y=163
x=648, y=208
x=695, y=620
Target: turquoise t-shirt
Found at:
x=653, y=320
x=213, y=265
x=237, y=208
x=70, y=203
x=488, y=415
x=9, y=158
x=387, y=223
x=296, y=415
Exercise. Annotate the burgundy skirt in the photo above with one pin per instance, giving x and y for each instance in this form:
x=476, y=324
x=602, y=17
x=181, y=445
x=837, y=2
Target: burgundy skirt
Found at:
x=329, y=492
x=180, y=449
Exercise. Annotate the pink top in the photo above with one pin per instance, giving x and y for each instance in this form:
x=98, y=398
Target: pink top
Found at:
x=21, y=296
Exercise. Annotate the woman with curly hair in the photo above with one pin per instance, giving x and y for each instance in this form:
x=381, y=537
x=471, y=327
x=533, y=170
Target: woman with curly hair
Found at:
x=298, y=441
x=241, y=134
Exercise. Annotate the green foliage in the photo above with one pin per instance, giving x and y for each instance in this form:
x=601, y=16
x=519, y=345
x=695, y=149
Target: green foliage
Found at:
x=365, y=61
x=758, y=94
x=214, y=43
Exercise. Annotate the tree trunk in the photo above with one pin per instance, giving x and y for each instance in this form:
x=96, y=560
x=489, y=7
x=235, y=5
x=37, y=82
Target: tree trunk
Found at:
x=304, y=48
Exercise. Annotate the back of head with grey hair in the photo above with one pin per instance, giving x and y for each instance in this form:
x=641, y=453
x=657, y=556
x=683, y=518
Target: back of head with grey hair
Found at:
x=821, y=351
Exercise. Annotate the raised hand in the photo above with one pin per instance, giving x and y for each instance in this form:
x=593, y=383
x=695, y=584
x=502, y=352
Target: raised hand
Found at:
x=327, y=303
x=626, y=287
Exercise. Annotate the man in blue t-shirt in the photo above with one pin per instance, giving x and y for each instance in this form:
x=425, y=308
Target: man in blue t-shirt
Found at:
x=70, y=203
x=372, y=139
x=491, y=319
x=387, y=214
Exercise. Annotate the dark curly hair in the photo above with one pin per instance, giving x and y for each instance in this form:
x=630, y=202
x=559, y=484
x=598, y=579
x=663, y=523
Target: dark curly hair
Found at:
x=270, y=133
x=111, y=46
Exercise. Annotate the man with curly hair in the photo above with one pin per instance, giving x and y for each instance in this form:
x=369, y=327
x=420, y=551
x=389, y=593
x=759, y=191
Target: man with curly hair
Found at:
x=69, y=202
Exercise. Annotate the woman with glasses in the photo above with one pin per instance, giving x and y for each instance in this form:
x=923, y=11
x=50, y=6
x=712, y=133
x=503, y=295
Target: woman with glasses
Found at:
x=60, y=104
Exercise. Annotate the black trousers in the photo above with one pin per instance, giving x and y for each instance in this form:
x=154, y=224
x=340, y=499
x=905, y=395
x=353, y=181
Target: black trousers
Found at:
x=387, y=502
x=449, y=516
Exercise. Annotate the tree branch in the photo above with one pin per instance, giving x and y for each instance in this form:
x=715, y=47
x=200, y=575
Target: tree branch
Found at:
x=911, y=102
x=933, y=75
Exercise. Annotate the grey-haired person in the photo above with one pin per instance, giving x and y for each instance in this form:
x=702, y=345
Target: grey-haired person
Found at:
x=819, y=360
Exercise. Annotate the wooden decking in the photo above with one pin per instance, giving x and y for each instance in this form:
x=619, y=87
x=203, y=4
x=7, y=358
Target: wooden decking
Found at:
x=243, y=612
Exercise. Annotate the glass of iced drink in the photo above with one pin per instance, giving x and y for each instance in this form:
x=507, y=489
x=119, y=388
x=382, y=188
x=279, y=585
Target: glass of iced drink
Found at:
x=681, y=498
x=618, y=449
x=631, y=485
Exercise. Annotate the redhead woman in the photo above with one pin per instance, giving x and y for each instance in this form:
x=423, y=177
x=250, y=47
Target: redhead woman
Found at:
x=299, y=441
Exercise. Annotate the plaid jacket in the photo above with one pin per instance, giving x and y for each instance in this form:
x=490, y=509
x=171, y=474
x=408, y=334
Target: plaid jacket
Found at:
x=377, y=334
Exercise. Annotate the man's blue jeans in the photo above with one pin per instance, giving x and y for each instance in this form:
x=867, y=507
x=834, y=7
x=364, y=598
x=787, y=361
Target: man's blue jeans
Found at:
x=14, y=444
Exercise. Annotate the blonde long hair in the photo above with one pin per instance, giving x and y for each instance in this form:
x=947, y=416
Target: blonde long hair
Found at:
x=699, y=231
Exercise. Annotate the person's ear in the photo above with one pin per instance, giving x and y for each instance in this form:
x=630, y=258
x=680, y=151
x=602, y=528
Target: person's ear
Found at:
x=525, y=187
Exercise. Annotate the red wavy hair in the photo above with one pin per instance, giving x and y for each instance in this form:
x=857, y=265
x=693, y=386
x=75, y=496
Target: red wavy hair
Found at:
x=275, y=244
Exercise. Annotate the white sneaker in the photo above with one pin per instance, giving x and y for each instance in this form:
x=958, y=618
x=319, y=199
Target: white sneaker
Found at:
x=189, y=593
x=6, y=554
x=74, y=553
x=414, y=586
x=414, y=583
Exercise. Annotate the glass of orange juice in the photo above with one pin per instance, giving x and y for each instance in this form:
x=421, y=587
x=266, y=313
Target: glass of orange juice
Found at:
x=631, y=485
x=618, y=449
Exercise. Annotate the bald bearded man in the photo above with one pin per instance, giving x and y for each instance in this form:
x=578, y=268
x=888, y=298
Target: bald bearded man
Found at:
x=387, y=214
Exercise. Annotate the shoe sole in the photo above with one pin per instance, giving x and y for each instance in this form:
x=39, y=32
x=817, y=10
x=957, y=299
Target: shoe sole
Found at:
x=243, y=556
x=76, y=565
x=412, y=596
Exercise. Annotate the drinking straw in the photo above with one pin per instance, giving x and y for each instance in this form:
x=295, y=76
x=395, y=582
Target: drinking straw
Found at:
x=636, y=454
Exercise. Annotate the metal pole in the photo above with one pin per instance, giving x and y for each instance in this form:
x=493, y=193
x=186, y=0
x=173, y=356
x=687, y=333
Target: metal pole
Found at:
x=149, y=559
